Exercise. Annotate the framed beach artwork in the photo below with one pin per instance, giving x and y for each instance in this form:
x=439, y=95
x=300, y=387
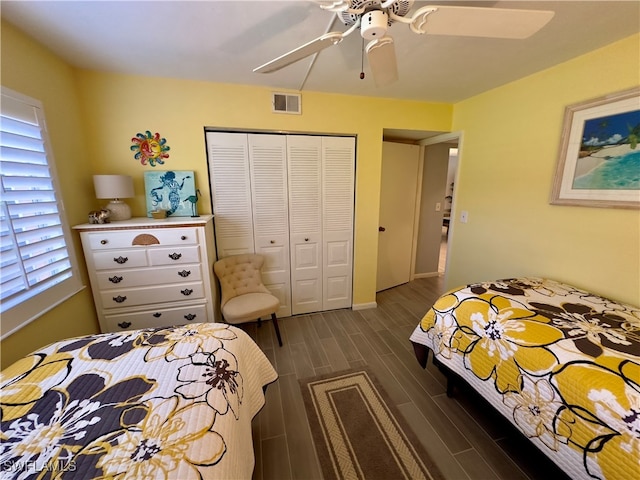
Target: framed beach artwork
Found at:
x=599, y=161
x=171, y=191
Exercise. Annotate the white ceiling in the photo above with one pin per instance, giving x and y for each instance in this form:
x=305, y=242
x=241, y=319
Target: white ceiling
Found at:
x=222, y=41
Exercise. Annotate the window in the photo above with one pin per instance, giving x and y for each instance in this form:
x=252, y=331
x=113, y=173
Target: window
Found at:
x=38, y=269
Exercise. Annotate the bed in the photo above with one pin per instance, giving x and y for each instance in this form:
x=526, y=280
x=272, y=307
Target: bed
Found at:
x=169, y=403
x=562, y=364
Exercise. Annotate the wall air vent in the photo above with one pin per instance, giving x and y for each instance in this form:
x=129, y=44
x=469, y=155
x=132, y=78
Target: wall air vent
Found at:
x=287, y=103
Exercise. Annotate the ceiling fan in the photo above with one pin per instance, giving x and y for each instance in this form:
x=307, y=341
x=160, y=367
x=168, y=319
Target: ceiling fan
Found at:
x=374, y=17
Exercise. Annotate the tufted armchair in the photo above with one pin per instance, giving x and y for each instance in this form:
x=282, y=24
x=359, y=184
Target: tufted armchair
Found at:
x=244, y=296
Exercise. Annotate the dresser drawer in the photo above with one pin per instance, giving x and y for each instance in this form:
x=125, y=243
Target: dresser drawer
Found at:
x=126, y=278
x=157, y=318
x=120, y=259
x=173, y=255
x=122, y=297
x=156, y=236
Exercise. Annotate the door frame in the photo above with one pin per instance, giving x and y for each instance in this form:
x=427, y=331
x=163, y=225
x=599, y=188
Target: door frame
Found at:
x=443, y=138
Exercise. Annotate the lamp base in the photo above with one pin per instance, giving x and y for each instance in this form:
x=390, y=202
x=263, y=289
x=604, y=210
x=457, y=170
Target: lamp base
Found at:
x=119, y=210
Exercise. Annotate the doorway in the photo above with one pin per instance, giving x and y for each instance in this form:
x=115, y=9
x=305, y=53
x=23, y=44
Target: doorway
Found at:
x=432, y=230
x=452, y=168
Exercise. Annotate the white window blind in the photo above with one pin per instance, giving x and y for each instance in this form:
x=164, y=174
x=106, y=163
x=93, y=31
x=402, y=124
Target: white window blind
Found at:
x=37, y=263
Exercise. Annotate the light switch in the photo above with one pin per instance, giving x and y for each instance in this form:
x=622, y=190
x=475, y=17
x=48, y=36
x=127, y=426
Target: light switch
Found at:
x=438, y=206
x=464, y=216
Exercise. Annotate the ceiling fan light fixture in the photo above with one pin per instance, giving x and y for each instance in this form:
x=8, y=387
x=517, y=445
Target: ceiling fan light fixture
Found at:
x=374, y=24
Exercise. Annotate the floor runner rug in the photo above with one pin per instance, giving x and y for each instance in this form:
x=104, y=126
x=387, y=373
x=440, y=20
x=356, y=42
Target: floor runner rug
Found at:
x=358, y=433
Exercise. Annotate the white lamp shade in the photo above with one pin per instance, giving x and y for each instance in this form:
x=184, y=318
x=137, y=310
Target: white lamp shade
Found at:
x=113, y=186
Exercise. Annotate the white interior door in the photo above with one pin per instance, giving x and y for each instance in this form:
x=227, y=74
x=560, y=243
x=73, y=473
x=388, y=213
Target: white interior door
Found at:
x=229, y=175
x=268, y=165
x=338, y=159
x=398, y=190
x=305, y=222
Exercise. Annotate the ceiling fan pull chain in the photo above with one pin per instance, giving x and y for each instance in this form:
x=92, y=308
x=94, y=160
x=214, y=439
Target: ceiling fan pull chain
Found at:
x=362, y=61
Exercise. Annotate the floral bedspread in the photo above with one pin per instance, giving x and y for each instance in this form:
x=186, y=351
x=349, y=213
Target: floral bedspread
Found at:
x=562, y=364
x=170, y=403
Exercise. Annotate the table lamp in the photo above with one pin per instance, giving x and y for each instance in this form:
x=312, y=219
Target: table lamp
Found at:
x=115, y=187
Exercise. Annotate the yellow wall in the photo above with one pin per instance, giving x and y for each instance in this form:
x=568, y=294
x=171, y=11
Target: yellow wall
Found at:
x=94, y=115
x=507, y=164
x=32, y=70
x=119, y=106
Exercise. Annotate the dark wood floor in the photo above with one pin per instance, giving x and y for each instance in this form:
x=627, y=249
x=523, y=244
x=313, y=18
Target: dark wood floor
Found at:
x=464, y=436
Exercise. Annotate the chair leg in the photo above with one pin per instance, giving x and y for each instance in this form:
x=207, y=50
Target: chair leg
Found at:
x=275, y=325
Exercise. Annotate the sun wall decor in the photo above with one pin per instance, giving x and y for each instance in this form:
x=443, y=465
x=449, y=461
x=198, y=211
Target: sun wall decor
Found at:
x=150, y=148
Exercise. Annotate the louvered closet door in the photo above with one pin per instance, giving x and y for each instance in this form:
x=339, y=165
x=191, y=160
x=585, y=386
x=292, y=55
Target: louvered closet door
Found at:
x=268, y=166
x=305, y=222
x=231, y=192
x=338, y=170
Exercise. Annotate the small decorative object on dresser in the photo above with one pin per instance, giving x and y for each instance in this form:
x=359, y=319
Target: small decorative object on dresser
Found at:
x=99, y=216
x=170, y=191
x=151, y=273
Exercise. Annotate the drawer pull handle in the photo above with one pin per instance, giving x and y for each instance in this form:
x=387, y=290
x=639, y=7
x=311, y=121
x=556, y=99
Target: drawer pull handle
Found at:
x=104, y=242
x=186, y=292
x=121, y=260
x=183, y=237
x=306, y=239
x=190, y=316
x=175, y=256
x=115, y=279
x=124, y=324
x=157, y=314
x=272, y=241
x=119, y=299
x=184, y=273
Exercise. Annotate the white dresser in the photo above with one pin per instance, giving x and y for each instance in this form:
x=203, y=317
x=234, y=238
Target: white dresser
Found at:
x=151, y=273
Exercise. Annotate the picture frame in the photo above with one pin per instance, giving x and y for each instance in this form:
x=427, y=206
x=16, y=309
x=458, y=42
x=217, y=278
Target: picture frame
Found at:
x=599, y=158
x=171, y=191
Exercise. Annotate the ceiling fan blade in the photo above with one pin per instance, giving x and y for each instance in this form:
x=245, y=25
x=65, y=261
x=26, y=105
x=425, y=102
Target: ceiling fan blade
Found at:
x=479, y=22
x=314, y=46
x=381, y=54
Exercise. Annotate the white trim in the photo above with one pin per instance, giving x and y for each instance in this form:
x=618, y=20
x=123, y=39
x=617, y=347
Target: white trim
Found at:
x=14, y=329
x=426, y=275
x=364, y=306
x=444, y=138
x=416, y=215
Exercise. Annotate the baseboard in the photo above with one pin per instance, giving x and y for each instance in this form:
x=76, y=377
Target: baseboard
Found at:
x=364, y=306
x=426, y=275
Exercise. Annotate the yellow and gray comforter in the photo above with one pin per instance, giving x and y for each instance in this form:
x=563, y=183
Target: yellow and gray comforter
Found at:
x=170, y=403
x=561, y=363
